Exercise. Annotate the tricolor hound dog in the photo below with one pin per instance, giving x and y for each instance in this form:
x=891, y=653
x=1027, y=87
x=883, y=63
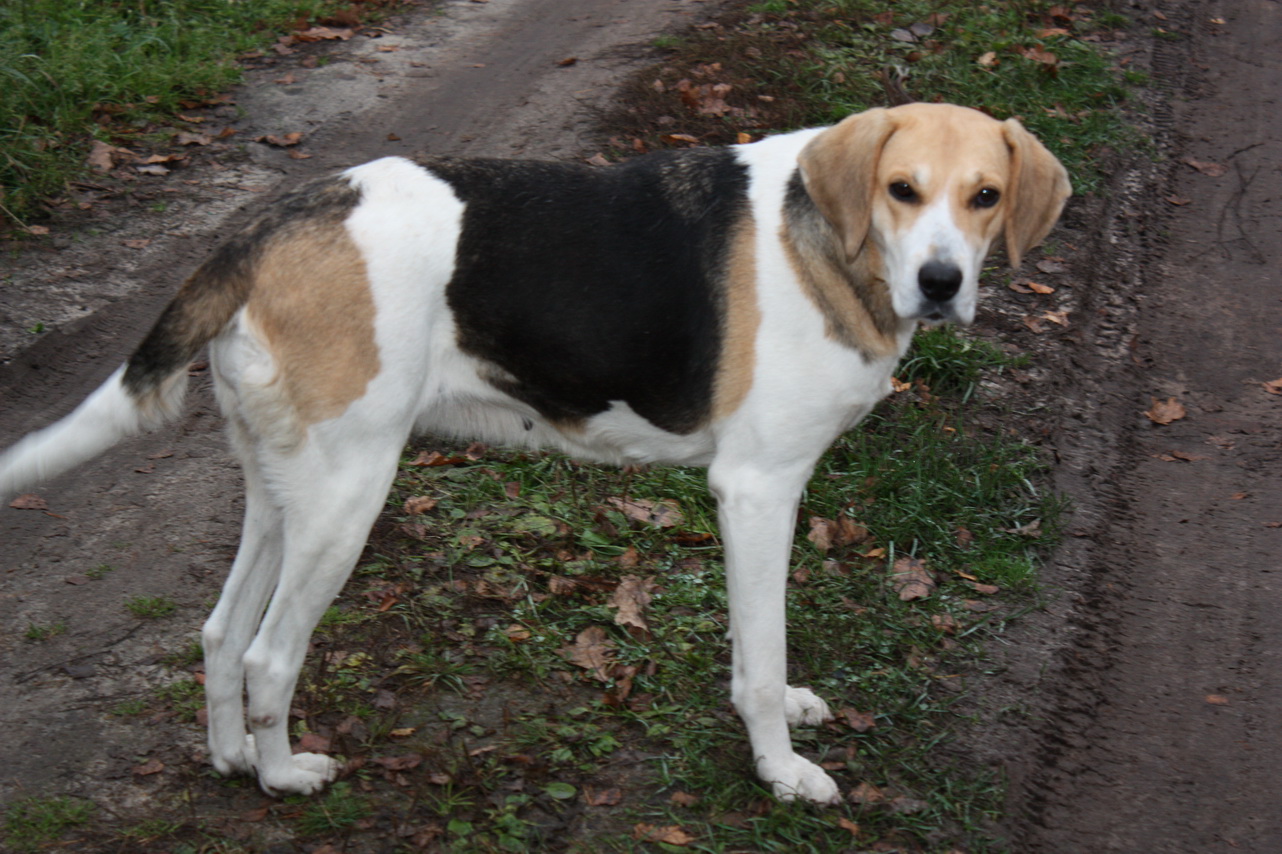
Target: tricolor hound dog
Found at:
x=736, y=308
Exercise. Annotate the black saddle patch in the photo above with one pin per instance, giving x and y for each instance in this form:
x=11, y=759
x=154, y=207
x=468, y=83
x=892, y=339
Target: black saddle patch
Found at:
x=586, y=286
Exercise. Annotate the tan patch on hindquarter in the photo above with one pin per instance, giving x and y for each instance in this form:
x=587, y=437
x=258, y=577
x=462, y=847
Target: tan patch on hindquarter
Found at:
x=738, y=357
x=312, y=303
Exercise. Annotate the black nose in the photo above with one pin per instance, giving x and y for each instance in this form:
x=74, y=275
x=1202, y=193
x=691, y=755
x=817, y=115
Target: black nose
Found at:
x=939, y=281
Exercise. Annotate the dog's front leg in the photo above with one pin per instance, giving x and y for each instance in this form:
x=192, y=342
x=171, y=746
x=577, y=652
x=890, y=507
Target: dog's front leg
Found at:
x=758, y=510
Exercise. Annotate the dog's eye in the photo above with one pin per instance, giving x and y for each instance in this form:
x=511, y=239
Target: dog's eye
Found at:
x=987, y=197
x=903, y=191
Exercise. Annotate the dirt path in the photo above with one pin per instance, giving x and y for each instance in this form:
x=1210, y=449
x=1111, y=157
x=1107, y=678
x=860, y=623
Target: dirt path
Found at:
x=158, y=517
x=1160, y=728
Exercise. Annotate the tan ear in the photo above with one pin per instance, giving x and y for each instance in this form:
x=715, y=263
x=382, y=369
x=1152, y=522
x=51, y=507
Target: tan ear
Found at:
x=1039, y=186
x=839, y=168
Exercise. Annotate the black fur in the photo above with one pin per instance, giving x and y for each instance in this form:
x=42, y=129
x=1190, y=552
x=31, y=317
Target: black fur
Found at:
x=587, y=286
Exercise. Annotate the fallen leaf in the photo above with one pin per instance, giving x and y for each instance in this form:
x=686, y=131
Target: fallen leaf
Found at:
x=985, y=589
x=631, y=597
x=1214, y=170
x=683, y=799
x=1034, y=324
x=911, y=580
x=282, y=141
x=602, y=797
x=436, y=458
x=568, y=61
x=137, y=243
x=316, y=34
x=664, y=513
x=597, y=159
x=151, y=766
x=673, y=138
x=1040, y=288
x=593, y=651
x=1273, y=524
x=1058, y=317
x=847, y=824
x=1052, y=265
x=1187, y=457
x=666, y=834
x=403, y=732
x=945, y=623
x=1274, y=387
x=866, y=793
x=102, y=157
x=1164, y=412
x=1178, y=200
x=857, y=720
x=311, y=742
x=988, y=60
x=419, y=504
x=152, y=169
x=29, y=501
x=1217, y=700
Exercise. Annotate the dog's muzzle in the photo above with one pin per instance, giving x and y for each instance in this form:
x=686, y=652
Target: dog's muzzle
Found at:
x=939, y=282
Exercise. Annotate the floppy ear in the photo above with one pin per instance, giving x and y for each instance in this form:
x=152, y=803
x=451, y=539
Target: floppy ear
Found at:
x=1039, y=187
x=839, y=168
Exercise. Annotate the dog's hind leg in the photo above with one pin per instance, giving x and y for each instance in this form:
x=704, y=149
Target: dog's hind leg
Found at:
x=332, y=495
x=230, y=628
x=758, y=511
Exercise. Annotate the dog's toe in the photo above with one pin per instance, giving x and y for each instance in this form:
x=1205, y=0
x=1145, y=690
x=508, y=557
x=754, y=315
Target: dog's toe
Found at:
x=306, y=774
x=800, y=778
x=801, y=706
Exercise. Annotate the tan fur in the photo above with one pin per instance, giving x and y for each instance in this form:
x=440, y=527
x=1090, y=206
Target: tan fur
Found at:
x=738, y=357
x=311, y=301
x=853, y=300
x=847, y=171
x=1039, y=188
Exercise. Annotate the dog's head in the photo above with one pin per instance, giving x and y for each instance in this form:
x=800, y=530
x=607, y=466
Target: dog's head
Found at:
x=929, y=187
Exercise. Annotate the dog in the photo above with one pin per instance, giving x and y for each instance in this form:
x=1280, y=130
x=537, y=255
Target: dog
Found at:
x=736, y=308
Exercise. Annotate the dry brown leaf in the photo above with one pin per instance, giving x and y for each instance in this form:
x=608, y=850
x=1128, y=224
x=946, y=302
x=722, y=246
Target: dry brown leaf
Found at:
x=847, y=824
x=602, y=797
x=1217, y=700
x=419, y=504
x=282, y=140
x=632, y=597
x=151, y=766
x=988, y=60
x=866, y=793
x=1164, y=412
x=1274, y=387
x=1214, y=170
x=911, y=580
x=683, y=799
x=1039, y=288
x=593, y=651
x=857, y=720
x=665, y=513
x=29, y=501
x=102, y=157
x=667, y=834
x=945, y=623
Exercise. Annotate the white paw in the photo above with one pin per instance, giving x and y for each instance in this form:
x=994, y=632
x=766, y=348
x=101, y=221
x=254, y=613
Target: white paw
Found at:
x=798, y=777
x=305, y=774
x=803, y=706
x=239, y=761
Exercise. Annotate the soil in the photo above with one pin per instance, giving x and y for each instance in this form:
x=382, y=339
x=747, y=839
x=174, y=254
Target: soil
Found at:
x=1135, y=713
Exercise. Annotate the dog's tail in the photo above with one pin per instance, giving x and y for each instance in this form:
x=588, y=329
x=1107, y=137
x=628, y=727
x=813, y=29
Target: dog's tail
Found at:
x=147, y=390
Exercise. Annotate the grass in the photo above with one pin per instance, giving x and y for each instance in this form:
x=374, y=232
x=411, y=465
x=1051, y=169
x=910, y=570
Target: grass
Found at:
x=35, y=824
x=151, y=607
x=40, y=632
x=74, y=71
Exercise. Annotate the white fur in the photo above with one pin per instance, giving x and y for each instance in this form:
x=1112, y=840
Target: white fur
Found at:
x=314, y=490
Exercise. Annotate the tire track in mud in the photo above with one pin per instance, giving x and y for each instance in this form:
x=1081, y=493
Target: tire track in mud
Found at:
x=1157, y=727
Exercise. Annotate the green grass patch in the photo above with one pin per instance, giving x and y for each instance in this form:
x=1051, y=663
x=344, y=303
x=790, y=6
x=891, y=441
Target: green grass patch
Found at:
x=151, y=607
x=73, y=71
x=35, y=824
